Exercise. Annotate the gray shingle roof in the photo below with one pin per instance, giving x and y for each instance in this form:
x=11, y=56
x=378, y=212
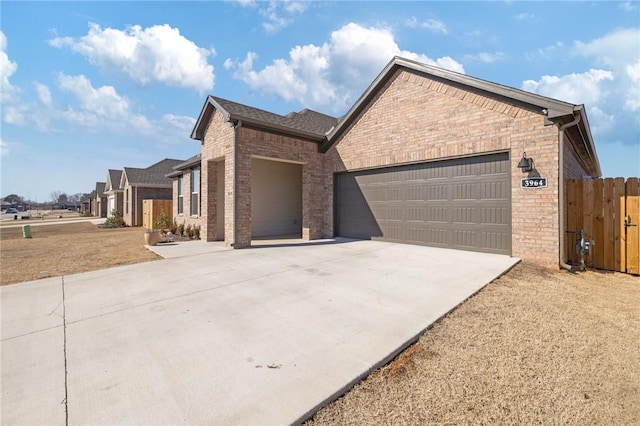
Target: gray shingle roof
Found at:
x=113, y=179
x=306, y=123
x=153, y=175
x=179, y=169
x=100, y=188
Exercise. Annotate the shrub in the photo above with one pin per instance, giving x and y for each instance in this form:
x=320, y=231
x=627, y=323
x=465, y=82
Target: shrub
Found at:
x=114, y=221
x=174, y=227
x=162, y=221
x=189, y=231
x=196, y=232
x=180, y=229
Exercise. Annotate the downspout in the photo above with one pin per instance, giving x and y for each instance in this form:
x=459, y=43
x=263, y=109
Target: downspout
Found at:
x=561, y=201
x=236, y=125
x=135, y=205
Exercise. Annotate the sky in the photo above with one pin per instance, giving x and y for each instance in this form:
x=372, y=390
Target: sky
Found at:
x=91, y=86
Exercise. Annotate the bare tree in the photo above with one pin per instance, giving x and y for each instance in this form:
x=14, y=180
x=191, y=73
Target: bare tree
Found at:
x=55, y=196
x=58, y=197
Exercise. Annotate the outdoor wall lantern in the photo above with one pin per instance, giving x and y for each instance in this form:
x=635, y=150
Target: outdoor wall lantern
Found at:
x=526, y=164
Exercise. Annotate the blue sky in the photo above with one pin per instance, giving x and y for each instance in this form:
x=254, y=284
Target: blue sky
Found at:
x=88, y=86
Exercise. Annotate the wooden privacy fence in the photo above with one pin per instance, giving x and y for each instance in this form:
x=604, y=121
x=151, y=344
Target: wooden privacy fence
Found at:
x=152, y=208
x=608, y=210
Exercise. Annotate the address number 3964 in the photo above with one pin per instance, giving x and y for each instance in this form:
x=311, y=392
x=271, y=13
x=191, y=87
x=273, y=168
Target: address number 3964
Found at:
x=534, y=183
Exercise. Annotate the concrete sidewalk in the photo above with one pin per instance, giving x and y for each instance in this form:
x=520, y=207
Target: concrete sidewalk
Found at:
x=176, y=249
x=257, y=336
x=37, y=222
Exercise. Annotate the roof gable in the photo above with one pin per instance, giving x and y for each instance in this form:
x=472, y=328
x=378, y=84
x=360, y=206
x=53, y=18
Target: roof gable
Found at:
x=555, y=111
x=100, y=188
x=306, y=124
x=180, y=168
x=152, y=176
x=113, y=176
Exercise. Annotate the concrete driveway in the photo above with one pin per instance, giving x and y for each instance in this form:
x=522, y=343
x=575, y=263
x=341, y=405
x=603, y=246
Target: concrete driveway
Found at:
x=257, y=336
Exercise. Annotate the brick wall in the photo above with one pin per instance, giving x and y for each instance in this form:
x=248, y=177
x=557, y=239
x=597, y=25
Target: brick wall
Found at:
x=412, y=119
x=279, y=147
x=217, y=145
x=99, y=206
x=186, y=217
x=218, y=150
x=415, y=118
x=573, y=167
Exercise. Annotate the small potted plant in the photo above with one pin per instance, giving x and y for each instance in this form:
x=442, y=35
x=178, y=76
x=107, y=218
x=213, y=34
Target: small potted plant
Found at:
x=161, y=224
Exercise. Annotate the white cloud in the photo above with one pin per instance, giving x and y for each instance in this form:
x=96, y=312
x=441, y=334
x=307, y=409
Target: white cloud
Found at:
x=614, y=49
x=102, y=108
x=12, y=114
x=584, y=88
x=412, y=22
x=44, y=94
x=633, y=99
x=628, y=6
x=331, y=75
x=7, y=69
x=246, y=3
x=4, y=148
x=295, y=6
x=602, y=122
x=183, y=123
x=435, y=26
x=486, y=57
x=275, y=21
x=548, y=50
x=154, y=54
x=619, y=51
x=103, y=101
x=611, y=93
x=432, y=25
x=523, y=16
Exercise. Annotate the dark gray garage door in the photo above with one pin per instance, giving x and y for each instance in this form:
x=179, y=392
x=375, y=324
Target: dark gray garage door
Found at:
x=463, y=204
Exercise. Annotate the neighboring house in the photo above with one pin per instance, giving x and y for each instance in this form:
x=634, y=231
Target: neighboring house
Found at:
x=186, y=192
x=85, y=203
x=145, y=184
x=113, y=193
x=425, y=156
x=99, y=201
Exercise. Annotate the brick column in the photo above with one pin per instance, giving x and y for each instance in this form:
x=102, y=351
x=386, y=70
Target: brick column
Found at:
x=242, y=190
x=312, y=212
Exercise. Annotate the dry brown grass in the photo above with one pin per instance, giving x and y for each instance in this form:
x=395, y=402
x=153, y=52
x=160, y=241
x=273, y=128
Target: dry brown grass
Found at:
x=534, y=347
x=68, y=248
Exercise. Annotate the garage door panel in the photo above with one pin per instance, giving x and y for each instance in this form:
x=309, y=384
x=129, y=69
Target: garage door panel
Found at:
x=462, y=203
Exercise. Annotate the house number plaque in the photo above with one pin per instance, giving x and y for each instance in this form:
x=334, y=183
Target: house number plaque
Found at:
x=537, y=182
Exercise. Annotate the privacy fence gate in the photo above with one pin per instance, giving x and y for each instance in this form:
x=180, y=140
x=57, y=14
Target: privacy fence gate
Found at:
x=608, y=210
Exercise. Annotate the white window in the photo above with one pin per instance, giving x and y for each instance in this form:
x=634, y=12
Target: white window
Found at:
x=195, y=192
x=181, y=195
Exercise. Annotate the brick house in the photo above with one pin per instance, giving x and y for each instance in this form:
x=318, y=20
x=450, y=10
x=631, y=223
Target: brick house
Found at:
x=144, y=184
x=99, y=201
x=113, y=193
x=425, y=156
x=186, y=192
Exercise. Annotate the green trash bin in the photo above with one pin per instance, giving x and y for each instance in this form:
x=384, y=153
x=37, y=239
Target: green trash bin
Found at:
x=26, y=231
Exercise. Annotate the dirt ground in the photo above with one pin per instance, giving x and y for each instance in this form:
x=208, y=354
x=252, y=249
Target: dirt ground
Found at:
x=65, y=249
x=533, y=347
